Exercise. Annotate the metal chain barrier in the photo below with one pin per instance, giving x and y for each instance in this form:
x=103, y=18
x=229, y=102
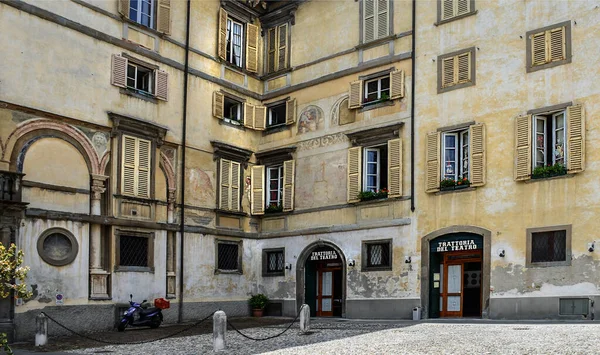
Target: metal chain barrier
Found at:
x=270, y=337
x=123, y=342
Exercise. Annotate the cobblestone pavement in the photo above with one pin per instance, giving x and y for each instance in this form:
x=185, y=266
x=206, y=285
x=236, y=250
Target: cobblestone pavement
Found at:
x=367, y=337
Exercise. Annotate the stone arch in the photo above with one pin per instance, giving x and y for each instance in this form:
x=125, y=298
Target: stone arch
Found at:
x=167, y=168
x=300, y=272
x=31, y=131
x=486, y=263
x=104, y=162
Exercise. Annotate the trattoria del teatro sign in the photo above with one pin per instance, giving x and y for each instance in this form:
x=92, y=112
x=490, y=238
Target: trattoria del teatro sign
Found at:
x=323, y=255
x=455, y=245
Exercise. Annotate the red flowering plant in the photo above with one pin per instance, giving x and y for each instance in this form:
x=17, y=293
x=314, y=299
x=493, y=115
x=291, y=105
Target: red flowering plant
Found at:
x=451, y=184
x=373, y=195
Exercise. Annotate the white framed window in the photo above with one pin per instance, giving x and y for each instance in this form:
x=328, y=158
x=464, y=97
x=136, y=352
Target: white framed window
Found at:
x=455, y=155
x=375, y=168
x=277, y=115
x=232, y=111
x=377, y=89
x=142, y=12
x=235, y=42
x=140, y=78
x=275, y=185
x=549, y=137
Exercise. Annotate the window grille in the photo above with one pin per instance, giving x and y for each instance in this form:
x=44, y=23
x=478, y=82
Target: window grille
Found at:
x=133, y=251
x=378, y=254
x=227, y=256
x=548, y=246
x=275, y=261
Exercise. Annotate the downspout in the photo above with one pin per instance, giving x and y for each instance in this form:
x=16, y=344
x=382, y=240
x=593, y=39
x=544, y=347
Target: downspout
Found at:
x=183, y=145
x=412, y=108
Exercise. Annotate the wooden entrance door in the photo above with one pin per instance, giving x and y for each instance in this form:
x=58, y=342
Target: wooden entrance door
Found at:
x=325, y=292
x=452, y=296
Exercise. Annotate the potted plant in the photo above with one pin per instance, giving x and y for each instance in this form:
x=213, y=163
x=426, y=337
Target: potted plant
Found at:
x=274, y=208
x=258, y=303
x=447, y=184
x=541, y=172
x=462, y=183
x=373, y=195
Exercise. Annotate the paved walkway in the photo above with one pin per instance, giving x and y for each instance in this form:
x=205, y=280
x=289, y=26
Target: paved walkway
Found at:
x=385, y=337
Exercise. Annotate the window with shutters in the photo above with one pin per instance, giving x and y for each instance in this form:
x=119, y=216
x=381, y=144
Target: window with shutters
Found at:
x=376, y=19
x=273, y=262
x=456, y=70
x=274, y=186
x=550, y=142
x=277, y=51
x=228, y=257
x=154, y=14
x=134, y=251
x=232, y=111
x=455, y=157
x=142, y=12
x=272, y=182
x=136, y=166
x=276, y=115
x=138, y=78
x=375, y=169
x=376, y=255
x=549, y=46
x=229, y=185
x=449, y=10
x=238, y=38
x=549, y=246
x=376, y=88
x=235, y=42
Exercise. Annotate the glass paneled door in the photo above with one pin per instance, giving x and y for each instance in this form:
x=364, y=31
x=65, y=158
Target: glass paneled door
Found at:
x=452, y=292
x=325, y=293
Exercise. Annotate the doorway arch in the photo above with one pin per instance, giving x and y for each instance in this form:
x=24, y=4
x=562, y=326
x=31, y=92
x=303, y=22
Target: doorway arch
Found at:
x=303, y=258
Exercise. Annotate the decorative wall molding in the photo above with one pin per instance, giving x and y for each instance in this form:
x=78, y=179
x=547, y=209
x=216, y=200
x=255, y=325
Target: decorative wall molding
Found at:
x=324, y=141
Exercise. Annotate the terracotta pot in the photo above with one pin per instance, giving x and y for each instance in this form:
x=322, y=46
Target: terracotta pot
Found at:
x=257, y=312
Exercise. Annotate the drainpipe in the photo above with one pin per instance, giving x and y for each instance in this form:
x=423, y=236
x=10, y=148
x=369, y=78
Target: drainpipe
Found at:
x=183, y=145
x=412, y=108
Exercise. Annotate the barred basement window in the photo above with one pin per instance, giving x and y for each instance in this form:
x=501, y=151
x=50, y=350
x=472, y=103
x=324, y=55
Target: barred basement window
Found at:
x=229, y=257
x=135, y=251
x=549, y=246
x=273, y=262
x=377, y=255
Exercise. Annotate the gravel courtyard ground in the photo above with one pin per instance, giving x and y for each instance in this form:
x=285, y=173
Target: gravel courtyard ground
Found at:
x=400, y=337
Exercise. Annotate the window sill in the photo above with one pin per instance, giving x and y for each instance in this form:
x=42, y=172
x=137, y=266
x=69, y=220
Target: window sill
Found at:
x=531, y=69
x=565, y=176
x=133, y=93
x=442, y=90
x=275, y=129
x=276, y=74
x=441, y=22
x=273, y=274
x=531, y=265
x=443, y=192
x=372, y=106
x=368, y=202
x=274, y=214
x=239, y=125
x=378, y=268
x=228, y=272
x=134, y=269
x=138, y=199
x=231, y=213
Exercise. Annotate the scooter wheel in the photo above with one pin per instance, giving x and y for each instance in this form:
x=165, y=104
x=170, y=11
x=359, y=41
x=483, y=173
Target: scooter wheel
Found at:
x=121, y=327
x=156, y=320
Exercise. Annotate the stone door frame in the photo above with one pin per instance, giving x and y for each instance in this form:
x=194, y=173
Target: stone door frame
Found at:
x=485, y=264
x=300, y=272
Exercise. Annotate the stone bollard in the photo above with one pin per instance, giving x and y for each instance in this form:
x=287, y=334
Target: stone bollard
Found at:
x=219, y=330
x=305, y=319
x=41, y=333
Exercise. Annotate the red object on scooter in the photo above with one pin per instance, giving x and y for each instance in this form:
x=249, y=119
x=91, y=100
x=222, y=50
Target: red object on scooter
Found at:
x=162, y=303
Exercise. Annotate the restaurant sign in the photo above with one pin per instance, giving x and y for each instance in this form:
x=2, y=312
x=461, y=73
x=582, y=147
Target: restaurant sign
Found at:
x=323, y=255
x=455, y=245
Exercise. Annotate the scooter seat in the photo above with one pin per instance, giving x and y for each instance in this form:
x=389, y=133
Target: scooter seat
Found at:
x=149, y=310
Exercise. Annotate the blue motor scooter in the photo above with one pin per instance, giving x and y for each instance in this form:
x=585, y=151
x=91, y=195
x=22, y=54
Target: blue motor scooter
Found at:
x=147, y=317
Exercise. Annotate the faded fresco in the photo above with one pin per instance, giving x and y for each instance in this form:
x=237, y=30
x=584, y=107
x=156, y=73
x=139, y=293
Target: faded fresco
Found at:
x=311, y=119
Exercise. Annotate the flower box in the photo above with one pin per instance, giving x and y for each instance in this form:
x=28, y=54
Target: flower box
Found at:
x=451, y=184
x=544, y=172
x=373, y=195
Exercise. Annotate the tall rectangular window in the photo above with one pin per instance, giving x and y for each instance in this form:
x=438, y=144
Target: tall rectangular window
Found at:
x=275, y=185
x=136, y=166
x=142, y=12
x=455, y=154
x=277, y=48
x=549, y=136
x=235, y=42
x=375, y=19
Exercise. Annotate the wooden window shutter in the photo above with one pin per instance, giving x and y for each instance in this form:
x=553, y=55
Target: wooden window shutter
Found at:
x=447, y=9
x=128, y=177
x=222, y=43
x=144, y=167
x=368, y=20
x=235, y=186
x=462, y=7
x=163, y=22
x=355, y=98
x=575, y=139
x=251, y=48
x=218, y=104
x=225, y=184
x=248, y=115
x=288, y=185
x=538, y=49
x=523, y=148
x=123, y=8
x=448, y=72
x=257, y=198
x=477, y=163
x=290, y=111
x=397, y=84
x=161, y=85
x=432, y=157
x=282, y=55
x=464, y=68
x=383, y=18
x=395, y=167
x=354, y=173
x=118, y=72
x=272, y=50
x=557, y=45
x=260, y=118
